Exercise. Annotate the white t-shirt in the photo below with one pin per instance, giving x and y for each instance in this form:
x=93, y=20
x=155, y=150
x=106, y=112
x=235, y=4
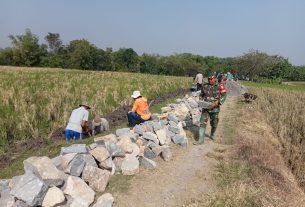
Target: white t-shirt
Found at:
x=77, y=116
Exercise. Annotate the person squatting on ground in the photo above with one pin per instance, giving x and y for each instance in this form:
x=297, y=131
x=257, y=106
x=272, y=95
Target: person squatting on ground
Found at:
x=199, y=80
x=99, y=125
x=77, y=121
x=214, y=93
x=140, y=110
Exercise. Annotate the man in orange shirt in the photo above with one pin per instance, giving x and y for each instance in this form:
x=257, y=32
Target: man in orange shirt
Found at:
x=140, y=110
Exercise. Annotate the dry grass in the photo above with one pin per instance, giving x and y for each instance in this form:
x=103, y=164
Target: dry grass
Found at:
x=35, y=101
x=285, y=112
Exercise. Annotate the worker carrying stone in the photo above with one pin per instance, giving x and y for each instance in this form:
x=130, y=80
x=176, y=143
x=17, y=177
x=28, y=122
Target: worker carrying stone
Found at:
x=212, y=96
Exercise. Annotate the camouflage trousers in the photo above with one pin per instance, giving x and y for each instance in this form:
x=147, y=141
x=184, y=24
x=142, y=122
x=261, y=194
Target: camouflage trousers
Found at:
x=205, y=115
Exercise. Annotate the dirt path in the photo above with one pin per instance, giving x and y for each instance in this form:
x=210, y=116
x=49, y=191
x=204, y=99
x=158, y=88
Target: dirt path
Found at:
x=189, y=175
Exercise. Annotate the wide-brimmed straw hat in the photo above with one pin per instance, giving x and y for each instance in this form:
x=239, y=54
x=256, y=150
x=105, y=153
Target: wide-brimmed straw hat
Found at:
x=136, y=94
x=85, y=104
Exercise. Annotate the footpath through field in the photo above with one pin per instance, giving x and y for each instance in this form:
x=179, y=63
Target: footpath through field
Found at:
x=188, y=176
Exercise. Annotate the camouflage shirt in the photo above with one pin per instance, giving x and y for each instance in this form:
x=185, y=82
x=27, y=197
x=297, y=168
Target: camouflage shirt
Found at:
x=211, y=93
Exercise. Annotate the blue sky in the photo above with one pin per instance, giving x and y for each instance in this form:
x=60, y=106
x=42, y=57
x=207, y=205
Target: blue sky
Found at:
x=223, y=28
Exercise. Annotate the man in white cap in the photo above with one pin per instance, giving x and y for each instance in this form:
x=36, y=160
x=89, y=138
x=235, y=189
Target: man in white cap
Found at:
x=78, y=119
x=140, y=110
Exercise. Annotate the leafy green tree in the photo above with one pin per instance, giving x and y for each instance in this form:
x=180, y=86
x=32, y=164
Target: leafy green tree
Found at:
x=126, y=59
x=6, y=56
x=82, y=55
x=26, y=49
x=54, y=42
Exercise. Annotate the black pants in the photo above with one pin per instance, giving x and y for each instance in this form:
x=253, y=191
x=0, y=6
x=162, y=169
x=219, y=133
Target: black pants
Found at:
x=199, y=86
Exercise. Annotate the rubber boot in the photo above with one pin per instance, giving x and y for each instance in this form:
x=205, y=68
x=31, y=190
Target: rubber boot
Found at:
x=213, y=130
x=201, y=136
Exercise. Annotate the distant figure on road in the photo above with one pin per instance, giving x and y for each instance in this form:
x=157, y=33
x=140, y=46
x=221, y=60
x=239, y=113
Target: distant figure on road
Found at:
x=215, y=94
x=199, y=80
x=230, y=76
x=77, y=121
x=140, y=110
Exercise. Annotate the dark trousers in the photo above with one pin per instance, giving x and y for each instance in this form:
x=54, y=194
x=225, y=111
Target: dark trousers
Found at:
x=199, y=86
x=134, y=118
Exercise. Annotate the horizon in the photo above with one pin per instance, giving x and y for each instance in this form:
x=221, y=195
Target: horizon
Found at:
x=221, y=29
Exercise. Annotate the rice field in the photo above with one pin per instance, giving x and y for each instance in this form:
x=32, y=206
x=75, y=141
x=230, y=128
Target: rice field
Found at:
x=35, y=101
x=284, y=107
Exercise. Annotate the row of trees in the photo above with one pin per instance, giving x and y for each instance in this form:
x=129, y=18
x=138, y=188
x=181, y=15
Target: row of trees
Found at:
x=81, y=54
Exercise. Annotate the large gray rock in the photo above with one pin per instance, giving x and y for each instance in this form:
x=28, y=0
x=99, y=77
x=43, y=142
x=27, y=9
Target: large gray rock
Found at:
x=114, y=150
x=77, y=165
x=74, y=148
x=100, y=153
x=139, y=129
x=80, y=192
x=147, y=163
x=181, y=111
x=148, y=153
x=118, y=163
x=121, y=132
x=161, y=135
x=163, y=122
x=158, y=149
x=172, y=117
x=105, y=200
x=57, y=162
x=166, y=154
x=89, y=160
x=109, y=138
x=169, y=134
x=43, y=168
x=65, y=161
x=135, y=150
x=30, y=189
x=97, y=178
x=125, y=143
x=4, y=184
x=192, y=103
x=156, y=125
x=174, y=129
x=106, y=164
x=14, y=181
x=151, y=136
x=6, y=200
x=53, y=197
x=178, y=139
x=130, y=166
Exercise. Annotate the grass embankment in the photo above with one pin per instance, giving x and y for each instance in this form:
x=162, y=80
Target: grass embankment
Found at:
x=33, y=102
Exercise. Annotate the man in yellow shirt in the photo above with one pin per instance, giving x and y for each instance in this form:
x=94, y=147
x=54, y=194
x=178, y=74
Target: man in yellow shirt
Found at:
x=140, y=110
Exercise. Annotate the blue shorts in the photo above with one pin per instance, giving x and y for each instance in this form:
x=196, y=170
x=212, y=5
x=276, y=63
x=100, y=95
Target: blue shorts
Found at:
x=70, y=134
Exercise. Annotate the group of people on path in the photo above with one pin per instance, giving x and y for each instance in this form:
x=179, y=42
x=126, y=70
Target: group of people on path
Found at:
x=213, y=92
x=79, y=125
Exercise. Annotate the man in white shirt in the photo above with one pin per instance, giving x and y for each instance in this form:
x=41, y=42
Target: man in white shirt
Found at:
x=199, y=80
x=78, y=119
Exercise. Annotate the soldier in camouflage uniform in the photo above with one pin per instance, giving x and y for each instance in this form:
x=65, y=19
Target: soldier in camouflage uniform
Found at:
x=214, y=93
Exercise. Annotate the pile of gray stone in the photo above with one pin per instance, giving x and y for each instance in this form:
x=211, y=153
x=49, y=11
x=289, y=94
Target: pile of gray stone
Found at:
x=73, y=177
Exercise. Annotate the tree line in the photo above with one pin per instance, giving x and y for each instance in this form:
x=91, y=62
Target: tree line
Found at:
x=81, y=54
